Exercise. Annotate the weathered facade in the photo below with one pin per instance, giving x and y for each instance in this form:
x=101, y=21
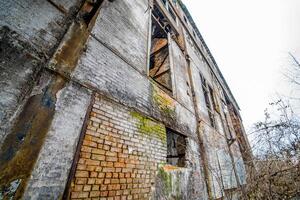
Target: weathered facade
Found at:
x=114, y=99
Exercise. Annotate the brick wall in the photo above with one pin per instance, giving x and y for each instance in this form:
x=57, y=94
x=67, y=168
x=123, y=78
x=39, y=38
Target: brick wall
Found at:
x=120, y=154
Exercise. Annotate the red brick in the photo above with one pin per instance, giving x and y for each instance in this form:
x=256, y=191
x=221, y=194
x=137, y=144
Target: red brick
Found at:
x=83, y=195
x=92, y=162
x=94, y=193
x=81, y=180
x=95, y=188
x=109, y=153
x=87, y=188
x=122, y=180
x=93, y=174
x=108, y=169
x=81, y=167
x=117, y=164
x=98, y=157
x=86, y=149
x=97, y=151
x=115, y=175
x=106, y=181
x=91, y=181
x=82, y=174
x=103, y=187
x=101, y=175
x=98, y=169
x=106, y=147
x=111, y=159
x=111, y=193
x=104, y=194
x=113, y=181
x=99, y=181
x=78, y=188
x=89, y=143
x=90, y=168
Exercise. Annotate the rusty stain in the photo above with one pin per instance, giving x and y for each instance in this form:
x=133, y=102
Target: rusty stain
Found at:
x=20, y=148
x=68, y=53
x=171, y=168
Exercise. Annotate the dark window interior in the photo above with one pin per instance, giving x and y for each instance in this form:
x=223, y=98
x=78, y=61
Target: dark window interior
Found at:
x=208, y=96
x=176, y=148
x=172, y=13
x=184, y=17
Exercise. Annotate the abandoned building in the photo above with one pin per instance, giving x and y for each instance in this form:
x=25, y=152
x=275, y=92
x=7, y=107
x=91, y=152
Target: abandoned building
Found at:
x=114, y=100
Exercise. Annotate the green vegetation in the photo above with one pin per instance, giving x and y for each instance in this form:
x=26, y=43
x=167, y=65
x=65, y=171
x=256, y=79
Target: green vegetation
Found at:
x=149, y=127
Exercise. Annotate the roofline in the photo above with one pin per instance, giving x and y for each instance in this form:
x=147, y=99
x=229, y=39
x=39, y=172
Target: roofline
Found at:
x=187, y=13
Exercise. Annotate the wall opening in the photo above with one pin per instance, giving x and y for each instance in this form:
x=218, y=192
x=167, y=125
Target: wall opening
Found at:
x=208, y=100
x=159, y=65
x=176, y=148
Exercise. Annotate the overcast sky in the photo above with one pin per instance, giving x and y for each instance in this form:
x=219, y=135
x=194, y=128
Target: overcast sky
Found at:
x=250, y=40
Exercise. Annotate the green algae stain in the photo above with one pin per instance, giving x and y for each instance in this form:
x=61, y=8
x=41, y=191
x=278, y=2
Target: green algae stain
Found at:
x=148, y=127
x=166, y=179
x=169, y=177
x=163, y=102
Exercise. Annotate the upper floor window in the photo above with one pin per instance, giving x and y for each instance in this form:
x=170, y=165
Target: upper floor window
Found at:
x=194, y=34
x=159, y=64
x=170, y=9
x=185, y=19
x=207, y=92
x=172, y=13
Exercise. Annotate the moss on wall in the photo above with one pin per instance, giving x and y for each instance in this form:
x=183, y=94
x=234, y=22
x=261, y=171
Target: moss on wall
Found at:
x=165, y=103
x=170, y=182
x=166, y=181
x=149, y=127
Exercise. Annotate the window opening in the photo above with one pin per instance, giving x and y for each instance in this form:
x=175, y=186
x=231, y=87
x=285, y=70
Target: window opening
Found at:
x=207, y=91
x=159, y=65
x=184, y=17
x=194, y=34
x=172, y=13
x=164, y=2
x=169, y=9
x=211, y=92
x=176, y=148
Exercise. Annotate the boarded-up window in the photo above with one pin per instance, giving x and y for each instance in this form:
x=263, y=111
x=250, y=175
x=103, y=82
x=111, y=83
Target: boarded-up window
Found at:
x=176, y=148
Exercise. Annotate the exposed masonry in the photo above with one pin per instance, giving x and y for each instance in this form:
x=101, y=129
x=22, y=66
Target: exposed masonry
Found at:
x=114, y=100
x=120, y=154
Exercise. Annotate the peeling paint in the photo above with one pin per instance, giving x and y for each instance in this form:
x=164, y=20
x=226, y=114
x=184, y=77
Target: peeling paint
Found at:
x=67, y=54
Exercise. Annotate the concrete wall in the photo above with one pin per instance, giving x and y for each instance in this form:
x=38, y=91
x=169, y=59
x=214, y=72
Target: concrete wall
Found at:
x=68, y=85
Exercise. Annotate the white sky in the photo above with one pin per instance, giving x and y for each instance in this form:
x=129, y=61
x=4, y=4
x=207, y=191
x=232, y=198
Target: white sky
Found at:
x=250, y=40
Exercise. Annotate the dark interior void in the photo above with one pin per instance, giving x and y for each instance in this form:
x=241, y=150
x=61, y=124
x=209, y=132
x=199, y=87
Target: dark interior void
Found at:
x=176, y=148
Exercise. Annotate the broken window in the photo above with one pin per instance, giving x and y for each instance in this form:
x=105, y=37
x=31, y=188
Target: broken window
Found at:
x=169, y=8
x=194, y=34
x=207, y=91
x=176, y=147
x=159, y=65
x=184, y=17
x=164, y=2
x=172, y=13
